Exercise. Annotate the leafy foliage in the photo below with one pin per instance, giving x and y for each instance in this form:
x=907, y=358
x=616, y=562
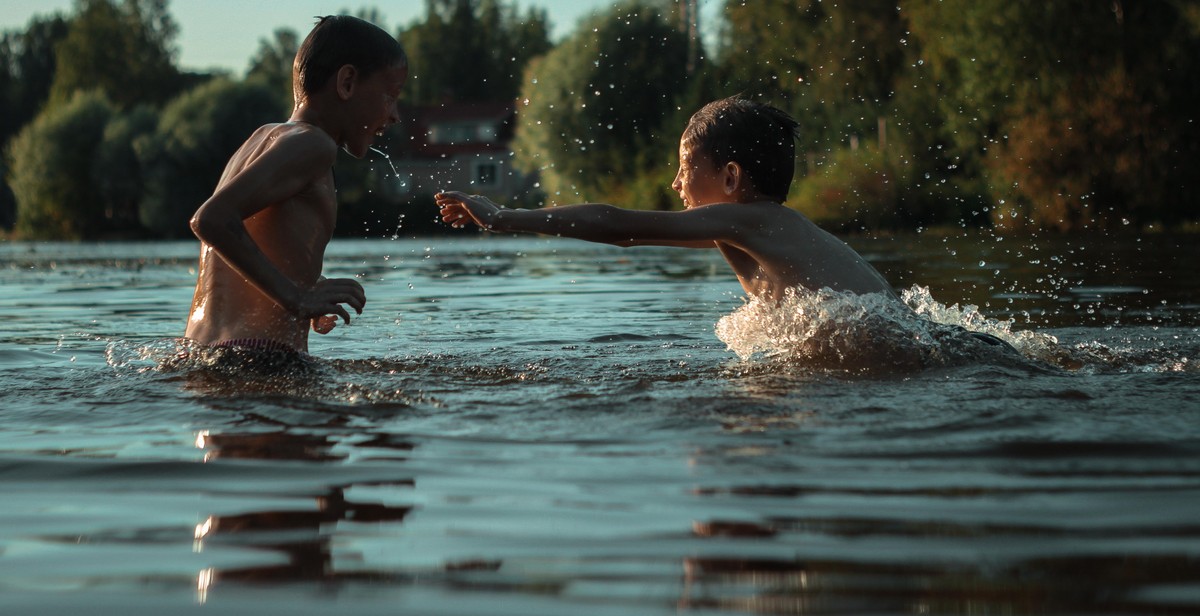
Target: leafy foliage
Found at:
x=471, y=50
x=26, y=71
x=833, y=65
x=122, y=50
x=588, y=118
x=51, y=173
x=117, y=171
x=1062, y=115
x=272, y=64
x=1080, y=112
x=196, y=134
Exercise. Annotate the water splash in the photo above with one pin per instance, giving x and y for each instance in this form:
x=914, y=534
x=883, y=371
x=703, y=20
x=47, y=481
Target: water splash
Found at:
x=873, y=333
x=288, y=378
x=388, y=159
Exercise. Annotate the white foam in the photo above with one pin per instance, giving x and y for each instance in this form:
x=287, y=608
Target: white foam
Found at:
x=827, y=329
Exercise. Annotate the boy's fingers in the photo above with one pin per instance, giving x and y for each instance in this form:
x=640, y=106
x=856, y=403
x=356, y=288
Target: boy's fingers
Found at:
x=324, y=324
x=353, y=297
x=350, y=287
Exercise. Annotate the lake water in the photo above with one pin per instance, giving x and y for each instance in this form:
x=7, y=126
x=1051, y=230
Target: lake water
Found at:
x=539, y=426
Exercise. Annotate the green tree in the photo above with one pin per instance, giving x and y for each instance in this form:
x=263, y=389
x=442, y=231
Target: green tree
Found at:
x=26, y=71
x=124, y=50
x=587, y=120
x=196, y=134
x=8, y=203
x=844, y=71
x=471, y=50
x=116, y=170
x=51, y=170
x=272, y=64
x=1081, y=112
x=834, y=65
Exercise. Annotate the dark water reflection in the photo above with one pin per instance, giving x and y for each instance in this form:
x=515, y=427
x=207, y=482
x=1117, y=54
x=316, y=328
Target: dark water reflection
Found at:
x=1051, y=280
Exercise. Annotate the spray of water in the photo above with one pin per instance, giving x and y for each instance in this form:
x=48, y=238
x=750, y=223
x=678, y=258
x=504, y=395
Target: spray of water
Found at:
x=832, y=330
x=388, y=160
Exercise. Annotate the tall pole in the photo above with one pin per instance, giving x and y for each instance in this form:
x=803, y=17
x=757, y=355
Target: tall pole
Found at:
x=689, y=24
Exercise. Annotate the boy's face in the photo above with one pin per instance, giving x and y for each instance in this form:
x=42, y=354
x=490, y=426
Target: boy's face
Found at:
x=699, y=181
x=374, y=107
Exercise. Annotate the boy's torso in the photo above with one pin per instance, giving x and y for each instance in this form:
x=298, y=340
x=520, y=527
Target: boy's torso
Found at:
x=292, y=234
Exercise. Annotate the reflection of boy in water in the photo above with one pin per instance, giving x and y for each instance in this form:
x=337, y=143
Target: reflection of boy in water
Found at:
x=264, y=230
x=736, y=161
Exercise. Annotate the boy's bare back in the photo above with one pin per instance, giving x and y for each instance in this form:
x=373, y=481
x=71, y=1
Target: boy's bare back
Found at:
x=772, y=248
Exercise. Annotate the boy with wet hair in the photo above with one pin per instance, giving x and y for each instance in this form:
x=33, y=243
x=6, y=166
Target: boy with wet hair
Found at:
x=736, y=161
x=264, y=230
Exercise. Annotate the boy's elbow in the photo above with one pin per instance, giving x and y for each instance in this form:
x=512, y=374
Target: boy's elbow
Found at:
x=199, y=225
x=203, y=224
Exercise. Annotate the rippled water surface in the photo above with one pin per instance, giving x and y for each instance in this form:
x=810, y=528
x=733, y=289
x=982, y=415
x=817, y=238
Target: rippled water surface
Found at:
x=535, y=426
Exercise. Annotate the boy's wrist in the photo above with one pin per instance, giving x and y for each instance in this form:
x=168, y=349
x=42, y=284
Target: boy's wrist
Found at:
x=497, y=222
x=292, y=300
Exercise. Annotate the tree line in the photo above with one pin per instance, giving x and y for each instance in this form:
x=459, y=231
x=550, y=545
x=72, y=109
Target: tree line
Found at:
x=1071, y=115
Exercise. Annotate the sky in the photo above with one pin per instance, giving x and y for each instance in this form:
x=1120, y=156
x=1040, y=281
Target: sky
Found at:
x=225, y=34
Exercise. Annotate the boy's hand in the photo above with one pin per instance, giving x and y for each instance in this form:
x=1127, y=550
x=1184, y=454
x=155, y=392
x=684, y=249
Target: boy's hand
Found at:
x=326, y=298
x=458, y=208
x=324, y=323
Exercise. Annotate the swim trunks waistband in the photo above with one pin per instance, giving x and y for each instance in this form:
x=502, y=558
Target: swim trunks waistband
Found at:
x=261, y=344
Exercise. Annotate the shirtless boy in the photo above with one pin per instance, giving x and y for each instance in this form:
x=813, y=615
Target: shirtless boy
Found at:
x=736, y=161
x=264, y=230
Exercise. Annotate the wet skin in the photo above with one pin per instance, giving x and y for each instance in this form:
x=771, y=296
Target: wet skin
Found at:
x=265, y=229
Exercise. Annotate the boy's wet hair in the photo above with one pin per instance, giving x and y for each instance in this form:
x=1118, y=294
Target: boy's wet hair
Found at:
x=338, y=40
x=757, y=136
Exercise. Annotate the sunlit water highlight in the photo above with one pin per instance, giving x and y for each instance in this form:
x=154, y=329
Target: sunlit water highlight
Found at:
x=533, y=426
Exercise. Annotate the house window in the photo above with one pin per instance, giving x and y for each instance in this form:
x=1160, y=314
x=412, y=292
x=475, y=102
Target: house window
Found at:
x=462, y=132
x=486, y=174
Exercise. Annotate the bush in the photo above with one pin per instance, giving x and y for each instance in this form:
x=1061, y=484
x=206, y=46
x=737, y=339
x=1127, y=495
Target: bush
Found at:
x=116, y=171
x=854, y=190
x=586, y=109
x=8, y=207
x=183, y=159
x=51, y=176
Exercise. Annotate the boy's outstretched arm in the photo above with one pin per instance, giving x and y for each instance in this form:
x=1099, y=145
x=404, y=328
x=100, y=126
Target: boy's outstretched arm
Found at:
x=278, y=174
x=594, y=222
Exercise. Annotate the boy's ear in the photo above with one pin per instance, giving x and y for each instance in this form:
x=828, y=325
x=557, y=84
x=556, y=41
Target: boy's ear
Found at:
x=733, y=177
x=345, y=79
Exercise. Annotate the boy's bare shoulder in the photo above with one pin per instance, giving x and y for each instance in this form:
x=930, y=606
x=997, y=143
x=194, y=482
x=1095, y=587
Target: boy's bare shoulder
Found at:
x=283, y=152
x=757, y=210
x=301, y=138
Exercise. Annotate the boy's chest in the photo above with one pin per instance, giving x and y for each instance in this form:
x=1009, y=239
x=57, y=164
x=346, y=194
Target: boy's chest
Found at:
x=312, y=213
x=307, y=218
